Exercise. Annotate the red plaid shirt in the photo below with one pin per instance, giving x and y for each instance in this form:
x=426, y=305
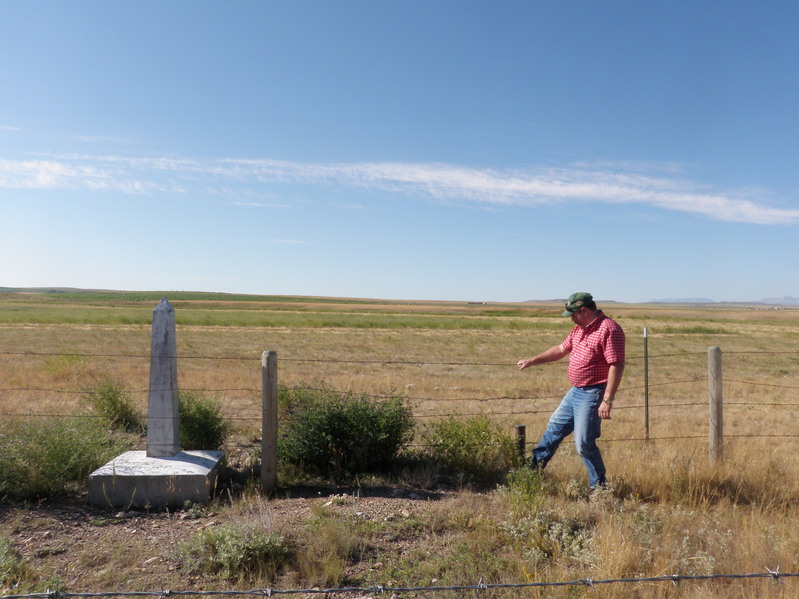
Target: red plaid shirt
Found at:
x=592, y=350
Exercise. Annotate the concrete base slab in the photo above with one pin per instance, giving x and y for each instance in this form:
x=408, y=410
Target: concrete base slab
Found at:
x=135, y=480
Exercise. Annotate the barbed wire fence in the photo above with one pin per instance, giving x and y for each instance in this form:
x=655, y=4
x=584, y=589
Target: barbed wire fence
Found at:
x=775, y=576
x=532, y=403
x=540, y=406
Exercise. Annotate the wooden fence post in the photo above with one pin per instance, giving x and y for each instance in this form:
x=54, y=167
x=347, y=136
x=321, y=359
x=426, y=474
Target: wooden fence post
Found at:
x=269, y=421
x=521, y=440
x=716, y=403
x=646, y=383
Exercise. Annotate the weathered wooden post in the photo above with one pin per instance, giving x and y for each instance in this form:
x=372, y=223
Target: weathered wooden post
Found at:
x=521, y=440
x=646, y=383
x=269, y=421
x=163, y=421
x=716, y=403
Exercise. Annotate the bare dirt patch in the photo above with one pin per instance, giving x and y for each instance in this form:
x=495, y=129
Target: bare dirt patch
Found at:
x=76, y=547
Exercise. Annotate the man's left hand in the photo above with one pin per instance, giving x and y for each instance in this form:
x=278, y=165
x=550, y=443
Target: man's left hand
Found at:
x=604, y=410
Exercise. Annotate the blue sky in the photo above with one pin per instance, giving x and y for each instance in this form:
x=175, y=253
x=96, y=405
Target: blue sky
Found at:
x=437, y=150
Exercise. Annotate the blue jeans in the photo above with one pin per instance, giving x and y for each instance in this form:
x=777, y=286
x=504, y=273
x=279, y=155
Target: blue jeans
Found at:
x=578, y=414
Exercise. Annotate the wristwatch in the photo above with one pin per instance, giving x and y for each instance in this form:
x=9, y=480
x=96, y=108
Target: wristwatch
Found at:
x=607, y=401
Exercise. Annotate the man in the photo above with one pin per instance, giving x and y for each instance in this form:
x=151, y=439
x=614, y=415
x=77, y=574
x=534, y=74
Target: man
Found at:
x=595, y=348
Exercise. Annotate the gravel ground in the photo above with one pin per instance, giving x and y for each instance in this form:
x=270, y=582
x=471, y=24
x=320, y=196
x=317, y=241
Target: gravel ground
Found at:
x=76, y=547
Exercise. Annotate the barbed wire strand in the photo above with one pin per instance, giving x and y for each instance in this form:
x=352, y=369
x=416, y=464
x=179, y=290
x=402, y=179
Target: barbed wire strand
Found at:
x=774, y=575
x=509, y=363
x=622, y=390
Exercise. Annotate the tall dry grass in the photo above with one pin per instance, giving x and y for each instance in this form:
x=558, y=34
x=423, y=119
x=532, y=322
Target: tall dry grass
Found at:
x=670, y=510
x=446, y=358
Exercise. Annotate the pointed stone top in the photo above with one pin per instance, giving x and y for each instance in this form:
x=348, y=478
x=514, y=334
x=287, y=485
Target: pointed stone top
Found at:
x=164, y=305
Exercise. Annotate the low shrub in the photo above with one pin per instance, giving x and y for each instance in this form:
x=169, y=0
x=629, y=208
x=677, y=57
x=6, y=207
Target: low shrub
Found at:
x=202, y=425
x=111, y=401
x=55, y=456
x=328, y=433
x=546, y=537
x=474, y=449
x=236, y=552
x=524, y=490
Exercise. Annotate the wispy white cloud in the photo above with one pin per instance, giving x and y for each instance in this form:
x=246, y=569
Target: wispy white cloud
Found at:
x=602, y=184
x=271, y=241
x=260, y=205
x=70, y=174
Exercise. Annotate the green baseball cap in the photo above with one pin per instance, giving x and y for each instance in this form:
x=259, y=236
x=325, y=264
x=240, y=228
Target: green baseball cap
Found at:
x=577, y=301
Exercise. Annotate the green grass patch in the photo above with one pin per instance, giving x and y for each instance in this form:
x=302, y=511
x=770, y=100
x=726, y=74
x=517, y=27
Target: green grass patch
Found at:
x=15, y=574
x=214, y=309
x=111, y=401
x=236, y=552
x=52, y=457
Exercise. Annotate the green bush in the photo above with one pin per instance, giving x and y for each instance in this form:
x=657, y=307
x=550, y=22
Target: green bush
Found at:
x=113, y=403
x=329, y=433
x=202, y=425
x=474, y=448
x=52, y=457
x=524, y=490
x=236, y=552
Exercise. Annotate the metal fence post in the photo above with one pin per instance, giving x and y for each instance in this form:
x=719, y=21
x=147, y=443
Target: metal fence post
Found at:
x=269, y=421
x=716, y=403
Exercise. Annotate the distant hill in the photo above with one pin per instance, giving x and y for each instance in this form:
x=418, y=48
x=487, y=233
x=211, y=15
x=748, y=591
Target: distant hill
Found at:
x=785, y=300
x=48, y=290
x=683, y=300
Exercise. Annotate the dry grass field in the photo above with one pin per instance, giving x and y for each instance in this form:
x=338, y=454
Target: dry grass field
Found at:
x=670, y=509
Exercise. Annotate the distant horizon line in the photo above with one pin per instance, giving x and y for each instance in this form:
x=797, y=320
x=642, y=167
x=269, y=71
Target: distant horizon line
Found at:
x=784, y=300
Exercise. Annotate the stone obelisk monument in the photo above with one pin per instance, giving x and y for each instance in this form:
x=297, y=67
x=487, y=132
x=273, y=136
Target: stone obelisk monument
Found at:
x=163, y=421
x=163, y=475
